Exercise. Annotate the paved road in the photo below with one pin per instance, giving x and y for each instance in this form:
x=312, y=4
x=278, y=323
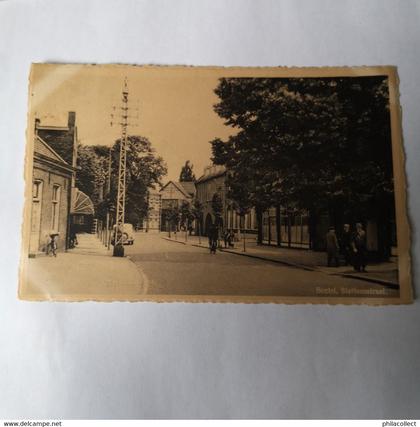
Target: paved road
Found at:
x=177, y=269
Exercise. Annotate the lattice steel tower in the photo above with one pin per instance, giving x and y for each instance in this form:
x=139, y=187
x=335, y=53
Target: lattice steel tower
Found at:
x=120, y=214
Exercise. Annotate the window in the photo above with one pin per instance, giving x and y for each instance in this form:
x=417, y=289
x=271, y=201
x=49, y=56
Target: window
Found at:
x=36, y=191
x=55, y=206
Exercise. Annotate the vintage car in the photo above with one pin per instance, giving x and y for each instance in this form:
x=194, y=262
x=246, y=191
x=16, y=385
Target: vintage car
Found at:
x=127, y=234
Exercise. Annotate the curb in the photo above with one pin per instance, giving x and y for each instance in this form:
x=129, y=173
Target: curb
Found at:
x=384, y=282
x=277, y=261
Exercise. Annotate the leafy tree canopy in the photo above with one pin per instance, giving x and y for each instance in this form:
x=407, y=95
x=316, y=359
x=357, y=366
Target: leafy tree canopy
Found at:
x=144, y=171
x=187, y=174
x=305, y=141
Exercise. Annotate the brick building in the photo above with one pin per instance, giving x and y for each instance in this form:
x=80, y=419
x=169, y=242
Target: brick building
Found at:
x=55, y=199
x=62, y=139
x=51, y=197
x=213, y=181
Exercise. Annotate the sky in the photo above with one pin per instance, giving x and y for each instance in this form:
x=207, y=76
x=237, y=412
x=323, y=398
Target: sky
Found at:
x=172, y=107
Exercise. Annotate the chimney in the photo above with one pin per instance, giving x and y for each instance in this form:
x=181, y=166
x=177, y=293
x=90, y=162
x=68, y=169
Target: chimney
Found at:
x=37, y=123
x=71, y=120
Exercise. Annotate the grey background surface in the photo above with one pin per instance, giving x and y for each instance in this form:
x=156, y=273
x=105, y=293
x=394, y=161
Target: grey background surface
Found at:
x=122, y=360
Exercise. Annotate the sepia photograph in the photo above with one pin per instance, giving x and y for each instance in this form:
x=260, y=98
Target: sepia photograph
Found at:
x=212, y=184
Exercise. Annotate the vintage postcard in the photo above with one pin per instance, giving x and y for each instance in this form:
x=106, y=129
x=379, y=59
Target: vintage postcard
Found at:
x=212, y=184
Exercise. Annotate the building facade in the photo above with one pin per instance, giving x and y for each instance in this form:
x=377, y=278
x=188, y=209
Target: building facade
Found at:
x=62, y=139
x=279, y=226
x=57, y=205
x=172, y=195
x=51, y=197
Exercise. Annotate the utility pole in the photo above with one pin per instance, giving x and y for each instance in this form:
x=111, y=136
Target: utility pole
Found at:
x=108, y=195
x=119, y=223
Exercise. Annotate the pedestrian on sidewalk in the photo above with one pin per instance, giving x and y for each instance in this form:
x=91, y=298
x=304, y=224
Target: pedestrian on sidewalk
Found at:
x=52, y=244
x=226, y=238
x=232, y=239
x=359, y=248
x=346, y=245
x=332, y=248
x=73, y=239
x=213, y=238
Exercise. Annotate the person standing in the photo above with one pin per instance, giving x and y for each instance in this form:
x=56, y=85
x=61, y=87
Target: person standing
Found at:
x=359, y=248
x=52, y=245
x=345, y=244
x=213, y=238
x=332, y=248
x=226, y=238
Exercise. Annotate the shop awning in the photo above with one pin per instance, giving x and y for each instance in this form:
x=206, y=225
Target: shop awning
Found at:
x=81, y=203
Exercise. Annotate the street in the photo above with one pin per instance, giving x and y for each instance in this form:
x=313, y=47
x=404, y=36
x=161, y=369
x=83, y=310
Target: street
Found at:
x=173, y=268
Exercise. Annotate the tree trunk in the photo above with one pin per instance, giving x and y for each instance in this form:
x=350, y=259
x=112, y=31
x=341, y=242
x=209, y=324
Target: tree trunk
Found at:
x=259, y=214
x=312, y=229
x=278, y=225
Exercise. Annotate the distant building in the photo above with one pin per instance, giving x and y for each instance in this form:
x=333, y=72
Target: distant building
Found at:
x=173, y=193
x=51, y=197
x=279, y=226
x=213, y=181
x=153, y=218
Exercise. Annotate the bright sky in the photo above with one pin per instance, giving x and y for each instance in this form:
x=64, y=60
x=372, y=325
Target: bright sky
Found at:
x=175, y=107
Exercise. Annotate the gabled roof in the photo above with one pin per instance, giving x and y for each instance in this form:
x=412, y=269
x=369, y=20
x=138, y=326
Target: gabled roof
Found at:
x=179, y=187
x=188, y=186
x=41, y=147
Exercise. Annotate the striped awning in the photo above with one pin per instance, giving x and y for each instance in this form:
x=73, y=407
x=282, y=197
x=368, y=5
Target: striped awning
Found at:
x=81, y=203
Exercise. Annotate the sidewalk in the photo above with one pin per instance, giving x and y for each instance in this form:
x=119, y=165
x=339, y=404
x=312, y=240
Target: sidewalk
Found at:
x=87, y=272
x=385, y=273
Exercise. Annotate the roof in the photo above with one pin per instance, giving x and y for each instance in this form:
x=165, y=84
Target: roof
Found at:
x=41, y=147
x=58, y=128
x=181, y=188
x=211, y=172
x=188, y=186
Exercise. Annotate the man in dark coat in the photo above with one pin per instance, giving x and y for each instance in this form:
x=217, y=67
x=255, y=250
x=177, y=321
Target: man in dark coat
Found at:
x=346, y=244
x=332, y=247
x=359, y=248
x=213, y=238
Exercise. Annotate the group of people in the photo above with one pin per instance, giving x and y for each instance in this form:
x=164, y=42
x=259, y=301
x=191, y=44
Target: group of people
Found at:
x=214, y=237
x=350, y=244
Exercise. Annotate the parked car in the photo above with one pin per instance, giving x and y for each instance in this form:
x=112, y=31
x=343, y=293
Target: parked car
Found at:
x=127, y=234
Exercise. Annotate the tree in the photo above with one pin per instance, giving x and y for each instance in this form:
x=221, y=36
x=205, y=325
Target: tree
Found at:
x=197, y=211
x=217, y=208
x=241, y=201
x=186, y=216
x=187, y=174
x=172, y=215
x=91, y=173
x=144, y=170
x=320, y=144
